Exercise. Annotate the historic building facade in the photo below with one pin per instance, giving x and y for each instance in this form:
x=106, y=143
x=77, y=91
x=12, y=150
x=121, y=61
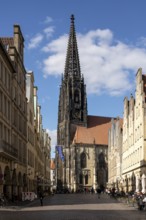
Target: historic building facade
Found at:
x=134, y=136
x=81, y=152
x=38, y=141
x=8, y=152
x=127, y=149
x=31, y=151
x=53, y=175
x=14, y=139
x=18, y=126
x=115, y=141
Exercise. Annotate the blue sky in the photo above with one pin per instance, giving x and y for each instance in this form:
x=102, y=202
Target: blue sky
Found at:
x=111, y=38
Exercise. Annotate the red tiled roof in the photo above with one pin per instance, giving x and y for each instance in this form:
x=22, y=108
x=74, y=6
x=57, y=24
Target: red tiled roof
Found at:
x=95, y=132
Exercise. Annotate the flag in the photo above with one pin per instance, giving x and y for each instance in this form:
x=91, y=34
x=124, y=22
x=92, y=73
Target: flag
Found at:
x=60, y=152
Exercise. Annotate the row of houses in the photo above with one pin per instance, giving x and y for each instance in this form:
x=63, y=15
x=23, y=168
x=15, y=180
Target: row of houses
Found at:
x=24, y=143
x=127, y=142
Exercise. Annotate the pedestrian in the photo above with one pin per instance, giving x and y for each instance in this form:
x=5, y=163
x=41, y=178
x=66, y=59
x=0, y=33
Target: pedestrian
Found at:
x=144, y=202
x=92, y=190
x=140, y=203
x=98, y=192
x=41, y=198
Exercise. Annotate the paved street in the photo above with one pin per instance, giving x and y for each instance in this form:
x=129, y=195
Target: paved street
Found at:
x=73, y=207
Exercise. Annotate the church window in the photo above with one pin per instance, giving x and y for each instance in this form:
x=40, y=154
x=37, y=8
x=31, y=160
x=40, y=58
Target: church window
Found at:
x=86, y=179
x=76, y=96
x=76, y=99
x=81, y=179
x=83, y=160
x=101, y=160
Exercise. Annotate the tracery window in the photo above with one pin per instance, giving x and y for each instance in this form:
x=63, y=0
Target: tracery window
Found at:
x=101, y=160
x=81, y=179
x=86, y=179
x=83, y=160
x=76, y=96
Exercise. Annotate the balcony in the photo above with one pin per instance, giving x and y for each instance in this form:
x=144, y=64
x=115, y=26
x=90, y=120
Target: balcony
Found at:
x=8, y=151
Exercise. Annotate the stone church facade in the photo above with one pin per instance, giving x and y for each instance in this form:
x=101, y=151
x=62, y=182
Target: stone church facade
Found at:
x=82, y=138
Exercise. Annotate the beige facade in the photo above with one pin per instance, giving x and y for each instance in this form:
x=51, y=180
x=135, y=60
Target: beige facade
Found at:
x=85, y=164
x=14, y=135
x=8, y=152
x=31, y=151
x=134, y=136
x=130, y=157
x=38, y=142
x=115, y=154
x=18, y=152
x=88, y=166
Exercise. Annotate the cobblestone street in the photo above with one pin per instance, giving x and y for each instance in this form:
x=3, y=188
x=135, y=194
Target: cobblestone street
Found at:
x=73, y=207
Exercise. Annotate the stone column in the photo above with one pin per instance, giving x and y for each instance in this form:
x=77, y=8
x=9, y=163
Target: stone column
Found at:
x=137, y=183
x=143, y=182
x=94, y=171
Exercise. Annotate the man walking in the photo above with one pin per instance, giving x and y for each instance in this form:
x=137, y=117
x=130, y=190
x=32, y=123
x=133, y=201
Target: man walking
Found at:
x=41, y=198
x=98, y=192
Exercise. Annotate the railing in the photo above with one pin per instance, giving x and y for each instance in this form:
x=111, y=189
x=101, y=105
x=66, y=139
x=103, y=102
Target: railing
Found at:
x=8, y=150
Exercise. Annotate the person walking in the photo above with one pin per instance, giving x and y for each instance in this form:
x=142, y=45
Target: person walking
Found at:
x=92, y=190
x=98, y=192
x=41, y=198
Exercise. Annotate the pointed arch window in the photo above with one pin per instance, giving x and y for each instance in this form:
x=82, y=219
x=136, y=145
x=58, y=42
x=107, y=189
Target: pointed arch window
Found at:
x=81, y=179
x=86, y=179
x=76, y=96
x=83, y=160
x=101, y=158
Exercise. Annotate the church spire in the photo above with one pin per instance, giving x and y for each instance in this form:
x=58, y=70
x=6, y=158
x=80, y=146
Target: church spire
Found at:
x=72, y=65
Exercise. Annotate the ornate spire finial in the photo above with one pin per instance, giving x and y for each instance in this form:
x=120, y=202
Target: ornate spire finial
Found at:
x=72, y=64
x=72, y=18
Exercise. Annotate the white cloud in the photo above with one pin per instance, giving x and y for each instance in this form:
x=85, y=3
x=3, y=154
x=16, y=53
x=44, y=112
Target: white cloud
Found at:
x=107, y=64
x=53, y=135
x=48, y=20
x=142, y=41
x=57, y=48
x=35, y=41
x=49, y=31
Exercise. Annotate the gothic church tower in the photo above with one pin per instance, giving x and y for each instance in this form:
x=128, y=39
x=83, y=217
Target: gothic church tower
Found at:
x=72, y=109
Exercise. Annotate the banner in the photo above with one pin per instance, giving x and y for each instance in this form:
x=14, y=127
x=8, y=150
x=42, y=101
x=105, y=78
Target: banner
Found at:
x=60, y=152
